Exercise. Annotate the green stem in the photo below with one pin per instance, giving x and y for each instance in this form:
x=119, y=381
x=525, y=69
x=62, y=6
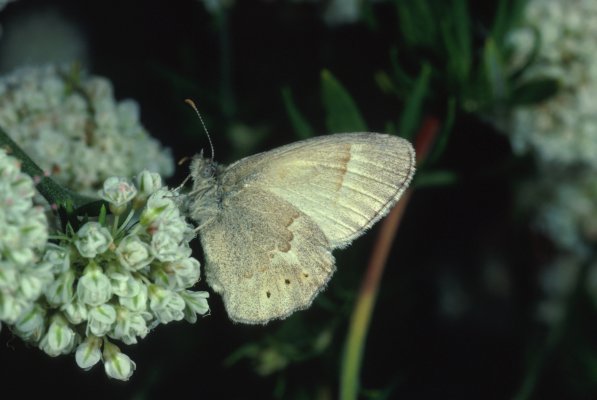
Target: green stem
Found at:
x=554, y=337
x=52, y=192
x=361, y=316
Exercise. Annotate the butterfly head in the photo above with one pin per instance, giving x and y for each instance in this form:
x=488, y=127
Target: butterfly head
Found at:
x=202, y=169
x=205, y=192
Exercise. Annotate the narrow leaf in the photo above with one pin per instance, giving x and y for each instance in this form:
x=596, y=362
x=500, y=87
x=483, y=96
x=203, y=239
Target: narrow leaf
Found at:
x=494, y=71
x=342, y=114
x=534, y=91
x=301, y=127
x=411, y=116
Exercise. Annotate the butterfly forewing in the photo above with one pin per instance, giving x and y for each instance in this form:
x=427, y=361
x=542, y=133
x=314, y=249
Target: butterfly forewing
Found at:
x=344, y=182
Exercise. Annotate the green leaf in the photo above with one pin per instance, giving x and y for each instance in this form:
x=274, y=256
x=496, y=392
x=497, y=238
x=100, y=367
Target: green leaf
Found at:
x=300, y=125
x=384, y=82
x=342, y=114
x=442, y=139
x=416, y=22
x=494, y=71
x=411, y=116
x=102, y=215
x=369, y=16
x=456, y=32
x=403, y=80
x=435, y=178
x=534, y=91
x=518, y=73
x=52, y=191
x=391, y=128
x=507, y=15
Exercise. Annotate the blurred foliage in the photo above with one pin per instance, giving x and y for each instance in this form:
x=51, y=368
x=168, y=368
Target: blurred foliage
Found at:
x=404, y=62
x=468, y=59
x=341, y=112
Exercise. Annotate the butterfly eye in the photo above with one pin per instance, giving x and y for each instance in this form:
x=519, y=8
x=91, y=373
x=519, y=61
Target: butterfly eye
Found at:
x=209, y=170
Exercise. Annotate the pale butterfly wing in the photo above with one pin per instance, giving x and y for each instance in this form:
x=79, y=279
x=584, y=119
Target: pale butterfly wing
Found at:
x=265, y=257
x=268, y=250
x=344, y=182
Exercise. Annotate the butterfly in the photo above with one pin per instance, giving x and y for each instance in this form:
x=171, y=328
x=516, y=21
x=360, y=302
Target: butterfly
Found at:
x=268, y=223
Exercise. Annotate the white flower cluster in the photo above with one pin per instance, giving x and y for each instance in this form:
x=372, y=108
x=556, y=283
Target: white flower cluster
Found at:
x=562, y=129
x=60, y=118
x=50, y=35
x=339, y=12
x=216, y=6
x=564, y=204
x=4, y=3
x=336, y=12
x=557, y=282
x=23, y=236
x=565, y=208
x=117, y=277
x=561, y=134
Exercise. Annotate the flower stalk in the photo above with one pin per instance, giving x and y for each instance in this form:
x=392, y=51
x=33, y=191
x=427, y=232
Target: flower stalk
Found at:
x=361, y=316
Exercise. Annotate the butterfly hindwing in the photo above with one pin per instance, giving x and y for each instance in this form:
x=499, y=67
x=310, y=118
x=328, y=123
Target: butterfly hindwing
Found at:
x=265, y=257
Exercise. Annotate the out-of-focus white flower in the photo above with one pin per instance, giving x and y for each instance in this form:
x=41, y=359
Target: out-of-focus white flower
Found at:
x=563, y=129
x=216, y=6
x=561, y=134
x=50, y=38
x=557, y=282
x=342, y=12
x=4, y=3
x=23, y=235
x=71, y=125
x=565, y=209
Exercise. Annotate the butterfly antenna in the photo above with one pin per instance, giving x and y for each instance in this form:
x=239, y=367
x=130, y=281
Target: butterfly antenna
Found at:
x=194, y=107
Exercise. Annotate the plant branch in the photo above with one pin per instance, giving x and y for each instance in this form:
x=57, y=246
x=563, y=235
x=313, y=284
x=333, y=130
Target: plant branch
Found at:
x=52, y=192
x=361, y=316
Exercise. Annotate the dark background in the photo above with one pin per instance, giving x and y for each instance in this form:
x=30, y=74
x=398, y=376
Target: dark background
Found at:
x=161, y=52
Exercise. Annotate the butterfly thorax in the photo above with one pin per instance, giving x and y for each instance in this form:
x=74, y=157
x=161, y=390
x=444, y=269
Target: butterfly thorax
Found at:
x=205, y=197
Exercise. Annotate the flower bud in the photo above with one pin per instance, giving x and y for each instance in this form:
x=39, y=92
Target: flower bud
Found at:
x=92, y=239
